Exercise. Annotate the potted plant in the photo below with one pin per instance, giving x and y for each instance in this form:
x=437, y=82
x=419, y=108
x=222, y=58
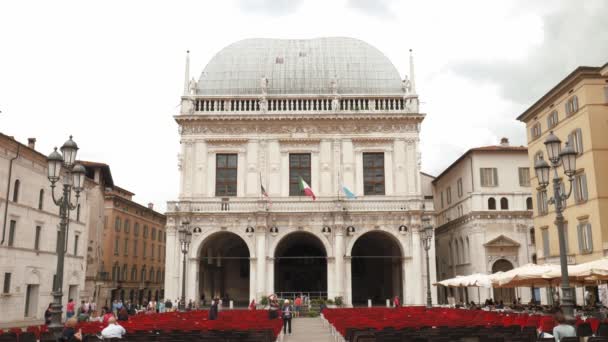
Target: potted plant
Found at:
x=339, y=302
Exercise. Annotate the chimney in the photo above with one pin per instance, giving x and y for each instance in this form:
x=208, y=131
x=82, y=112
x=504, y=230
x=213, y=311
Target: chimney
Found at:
x=31, y=143
x=504, y=142
x=151, y=205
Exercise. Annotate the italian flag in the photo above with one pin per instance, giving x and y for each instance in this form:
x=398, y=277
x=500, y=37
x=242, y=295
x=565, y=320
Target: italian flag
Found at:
x=307, y=190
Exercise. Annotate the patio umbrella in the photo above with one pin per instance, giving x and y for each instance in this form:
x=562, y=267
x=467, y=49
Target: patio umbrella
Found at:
x=526, y=275
x=585, y=273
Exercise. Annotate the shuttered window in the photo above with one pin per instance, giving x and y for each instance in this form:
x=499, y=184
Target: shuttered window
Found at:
x=575, y=139
x=585, y=238
x=552, y=119
x=580, y=188
x=459, y=186
x=524, y=176
x=541, y=202
x=489, y=176
x=449, y=195
x=545, y=235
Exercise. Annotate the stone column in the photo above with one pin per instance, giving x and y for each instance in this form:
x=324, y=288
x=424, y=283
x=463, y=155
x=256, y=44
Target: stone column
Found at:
x=260, y=245
x=400, y=166
x=326, y=180
x=339, y=260
x=253, y=293
x=192, y=269
x=416, y=287
x=241, y=169
x=407, y=292
x=270, y=275
x=388, y=169
x=172, y=264
x=348, y=281
x=331, y=278
x=348, y=163
x=211, y=174
x=200, y=169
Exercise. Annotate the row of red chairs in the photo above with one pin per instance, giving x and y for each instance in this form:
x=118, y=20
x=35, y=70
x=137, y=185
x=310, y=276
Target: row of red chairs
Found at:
x=417, y=317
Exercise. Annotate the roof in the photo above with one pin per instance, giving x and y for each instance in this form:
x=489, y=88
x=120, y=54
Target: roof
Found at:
x=300, y=66
x=105, y=170
x=491, y=148
x=564, y=85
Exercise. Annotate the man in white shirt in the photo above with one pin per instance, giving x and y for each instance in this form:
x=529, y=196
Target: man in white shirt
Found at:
x=113, y=330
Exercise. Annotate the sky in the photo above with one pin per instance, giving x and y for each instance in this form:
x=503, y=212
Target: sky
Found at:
x=111, y=73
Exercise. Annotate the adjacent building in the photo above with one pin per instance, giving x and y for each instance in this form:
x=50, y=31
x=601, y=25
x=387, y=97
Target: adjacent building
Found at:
x=270, y=117
x=484, y=204
x=575, y=110
x=28, y=244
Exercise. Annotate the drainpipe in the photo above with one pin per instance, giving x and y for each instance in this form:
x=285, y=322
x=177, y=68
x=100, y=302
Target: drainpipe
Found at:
x=8, y=191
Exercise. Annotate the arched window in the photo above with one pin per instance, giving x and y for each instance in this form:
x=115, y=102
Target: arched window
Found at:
x=491, y=203
x=529, y=203
x=41, y=199
x=78, y=213
x=115, y=271
x=158, y=276
x=457, y=259
x=468, y=251
x=532, y=236
x=462, y=252
x=124, y=272
x=534, y=260
x=16, y=190
x=504, y=203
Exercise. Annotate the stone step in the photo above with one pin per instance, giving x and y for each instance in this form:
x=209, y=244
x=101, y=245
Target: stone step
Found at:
x=306, y=329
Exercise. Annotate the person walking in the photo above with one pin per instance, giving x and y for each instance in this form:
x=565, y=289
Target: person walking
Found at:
x=287, y=312
x=70, y=308
x=213, y=310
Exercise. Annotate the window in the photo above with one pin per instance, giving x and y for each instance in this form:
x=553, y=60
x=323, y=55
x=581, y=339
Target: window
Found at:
x=41, y=199
x=451, y=253
x=16, y=190
x=37, y=238
x=373, y=173
x=489, y=176
x=545, y=235
x=299, y=166
x=491, y=203
x=532, y=236
x=580, y=188
x=134, y=273
x=552, y=119
x=524, y=176
x=225, y=174
x=160, y=235
x=504, y=203
x=126, y=247
x=441, y=200
x=535, y=130
x=117, y=224
x=529, y=203
x=152, y=251
x=151, y=277
x=144, y=251
x=575, y=139
x=143, y=273
x=134, y=247
x=145, y=231
x=159, y=253
x=572, y=105
x=459, y=187
x=585, y=239
x=123, y=275
x=11, y=233
x=606, y=94
x=7, y=283
x=158, y=276
x=78, y=213
x=116, y=246
x=538, y=155
x=448, y=193
x=136, y=229
x=153, y=233
x=457, y=259
x=541, y=199
x=115, y=272
x=127, y=226
x=76, y=237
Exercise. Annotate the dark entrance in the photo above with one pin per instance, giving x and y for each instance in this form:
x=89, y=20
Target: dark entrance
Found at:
x=506, y=295
x=224, y=269
x=301, y=266
x=376, y=269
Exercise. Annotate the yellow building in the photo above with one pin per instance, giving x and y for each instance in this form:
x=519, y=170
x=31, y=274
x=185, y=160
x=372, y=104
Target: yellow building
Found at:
x=576, y=110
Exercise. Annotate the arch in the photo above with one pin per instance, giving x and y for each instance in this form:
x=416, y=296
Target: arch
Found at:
x=504, y=204
x=285, y=233
x=198, y=240
x=491, y=203
x=529, y=205
x=16, y=187
x=376, y=259
x=394, y=237
x=506, y=295
x=223, y=267
x=300, y=264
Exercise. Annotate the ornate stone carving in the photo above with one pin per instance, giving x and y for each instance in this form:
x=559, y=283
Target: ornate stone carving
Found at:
x=310, y=128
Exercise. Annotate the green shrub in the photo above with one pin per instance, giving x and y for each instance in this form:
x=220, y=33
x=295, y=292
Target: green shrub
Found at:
x=313, y=314
x=338, y=300
x=330, y=302
x=264, y=300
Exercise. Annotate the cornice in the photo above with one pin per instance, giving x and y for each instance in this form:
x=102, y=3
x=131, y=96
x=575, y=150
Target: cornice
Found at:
x=300, y=117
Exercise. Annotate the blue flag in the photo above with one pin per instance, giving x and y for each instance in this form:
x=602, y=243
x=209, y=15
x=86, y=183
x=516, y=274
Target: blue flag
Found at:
x=348, y=193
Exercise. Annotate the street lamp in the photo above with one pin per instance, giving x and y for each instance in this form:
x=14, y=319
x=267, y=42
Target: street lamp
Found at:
x=427, y=238
x=567, y=158
x=73, y=179
x=185, y=237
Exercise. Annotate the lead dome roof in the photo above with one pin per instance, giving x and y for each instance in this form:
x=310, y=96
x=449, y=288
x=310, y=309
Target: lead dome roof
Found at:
x=299, y=66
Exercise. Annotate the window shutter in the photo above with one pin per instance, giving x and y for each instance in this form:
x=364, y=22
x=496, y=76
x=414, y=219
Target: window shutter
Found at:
x=589, y=237
x=495, y=174
x=579, y=231
x=584, y=187
x=571, y=140
x=579, y=141
x=577, y=198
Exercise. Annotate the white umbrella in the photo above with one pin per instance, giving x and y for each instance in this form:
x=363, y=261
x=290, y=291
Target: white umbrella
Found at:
x=592, y=271
x=527, y=275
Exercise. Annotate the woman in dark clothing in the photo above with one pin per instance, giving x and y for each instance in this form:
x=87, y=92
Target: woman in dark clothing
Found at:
x=47, y=315
x=123, y=315
x=286, y=315
x=213, y=309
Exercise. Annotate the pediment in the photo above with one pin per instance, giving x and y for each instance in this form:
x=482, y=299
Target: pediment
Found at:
x=501, y=241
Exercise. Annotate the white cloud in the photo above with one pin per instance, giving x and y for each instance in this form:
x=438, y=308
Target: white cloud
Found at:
x=112, y=73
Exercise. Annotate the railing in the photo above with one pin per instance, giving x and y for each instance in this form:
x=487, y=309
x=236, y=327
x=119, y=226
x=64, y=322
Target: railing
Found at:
x=303, y=294
x=326, y=104
x=304, y=204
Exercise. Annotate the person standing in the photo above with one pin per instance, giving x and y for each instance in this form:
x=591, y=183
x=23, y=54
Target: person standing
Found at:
x=396, y=302
x=48, y=314
x=69, y=333
x=298, y=304
x=213, y=310
x=70, y=308
x=252, y=304
x=562, y=329
x=287, y=312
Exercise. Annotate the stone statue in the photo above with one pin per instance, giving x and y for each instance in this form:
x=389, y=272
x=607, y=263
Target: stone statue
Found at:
x=406, y=85
x=263, y=105
x=264, y=85
x=192, y=86
x=335, y=102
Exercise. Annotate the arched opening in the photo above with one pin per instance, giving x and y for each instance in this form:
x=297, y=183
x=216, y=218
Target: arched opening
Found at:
x=491, y=203
x=504, y=203
x=300, y=266
x=376, y=268
x=529, y=203
x=41, y=200
x=224, y=269
x=16, y=190
x=506, y=295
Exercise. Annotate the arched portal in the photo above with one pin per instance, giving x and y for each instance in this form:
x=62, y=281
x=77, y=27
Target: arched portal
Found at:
x=376, y=268
x=300, y=265
x=224, y=269
x=506, y=295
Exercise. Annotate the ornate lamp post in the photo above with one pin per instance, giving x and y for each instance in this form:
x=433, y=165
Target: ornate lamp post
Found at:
x=73, y=180
x=185, y=237
x=427, y=238
x=567, y=158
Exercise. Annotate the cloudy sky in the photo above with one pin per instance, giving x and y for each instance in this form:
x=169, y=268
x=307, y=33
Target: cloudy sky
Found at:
x=111, y=72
